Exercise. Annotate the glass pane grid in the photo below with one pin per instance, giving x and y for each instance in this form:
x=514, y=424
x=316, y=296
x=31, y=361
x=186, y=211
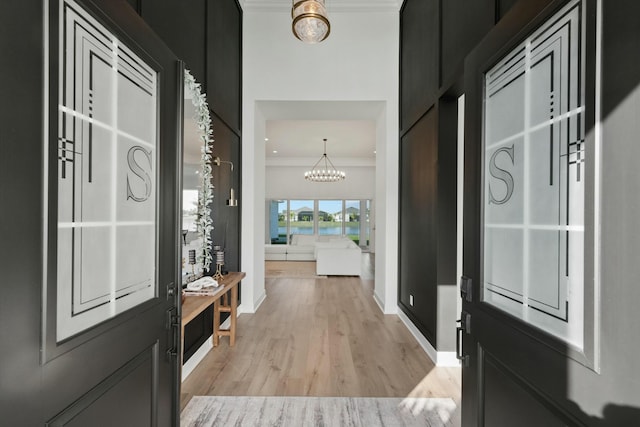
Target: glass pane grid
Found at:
x=106, y=175
x=533, y=179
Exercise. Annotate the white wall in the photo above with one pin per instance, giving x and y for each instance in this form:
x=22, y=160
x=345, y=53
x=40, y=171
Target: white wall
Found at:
x=385, y=230
x=287, y=182
x=358, y=62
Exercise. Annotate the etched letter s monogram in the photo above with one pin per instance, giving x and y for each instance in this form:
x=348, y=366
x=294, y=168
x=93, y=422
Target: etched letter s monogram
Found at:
x=139, y=172
x=502, y=175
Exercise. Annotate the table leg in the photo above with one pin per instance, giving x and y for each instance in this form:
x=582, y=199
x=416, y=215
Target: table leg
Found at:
x=234, y=315
x=216, y=322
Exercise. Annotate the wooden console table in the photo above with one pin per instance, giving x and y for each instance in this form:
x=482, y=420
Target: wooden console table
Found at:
x=193, y=305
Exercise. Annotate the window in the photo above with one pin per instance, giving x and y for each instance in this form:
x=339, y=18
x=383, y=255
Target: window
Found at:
x=349, y=218
x=352, y=220
x=330, y=218
x=278, y=214
x=301, y=216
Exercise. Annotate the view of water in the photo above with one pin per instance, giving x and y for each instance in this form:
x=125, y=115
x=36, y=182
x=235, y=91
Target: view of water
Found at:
x=323, y=230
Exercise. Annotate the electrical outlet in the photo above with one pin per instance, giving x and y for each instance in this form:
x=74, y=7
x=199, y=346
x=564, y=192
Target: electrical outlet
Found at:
x=411, y=300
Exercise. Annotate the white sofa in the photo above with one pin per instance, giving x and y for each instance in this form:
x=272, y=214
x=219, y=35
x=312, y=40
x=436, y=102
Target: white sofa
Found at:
x=302, y=247
x=338, y=258
x=275, y=252
x=334, y=255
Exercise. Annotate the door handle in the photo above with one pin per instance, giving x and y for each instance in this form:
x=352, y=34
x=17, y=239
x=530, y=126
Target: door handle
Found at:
x=466, y=289
x=464, y=359
x=172, y=324
x=459, y=332
x=464, y=328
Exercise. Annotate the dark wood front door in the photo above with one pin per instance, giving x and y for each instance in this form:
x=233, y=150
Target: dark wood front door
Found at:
x=92, y=329
x=529, y=321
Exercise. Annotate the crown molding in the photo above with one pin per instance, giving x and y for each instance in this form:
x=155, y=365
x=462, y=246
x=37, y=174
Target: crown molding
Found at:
x=332, y=5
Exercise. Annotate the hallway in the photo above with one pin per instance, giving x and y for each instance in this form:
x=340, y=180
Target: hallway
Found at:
x=320, y=337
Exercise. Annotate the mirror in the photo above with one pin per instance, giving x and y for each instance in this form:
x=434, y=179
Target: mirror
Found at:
x=197, y=188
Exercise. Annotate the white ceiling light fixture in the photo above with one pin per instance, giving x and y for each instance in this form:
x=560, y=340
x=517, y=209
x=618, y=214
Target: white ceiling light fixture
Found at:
x=310, y=22
x=324, y=170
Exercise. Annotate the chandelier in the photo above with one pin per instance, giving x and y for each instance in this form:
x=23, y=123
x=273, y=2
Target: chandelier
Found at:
x=324, y=170
x=310, y=22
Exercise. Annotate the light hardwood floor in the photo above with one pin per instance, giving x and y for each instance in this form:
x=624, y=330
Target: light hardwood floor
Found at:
x=320, y=337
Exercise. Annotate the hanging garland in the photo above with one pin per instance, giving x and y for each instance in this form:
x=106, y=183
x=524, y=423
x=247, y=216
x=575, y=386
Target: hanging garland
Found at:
x=205, y=195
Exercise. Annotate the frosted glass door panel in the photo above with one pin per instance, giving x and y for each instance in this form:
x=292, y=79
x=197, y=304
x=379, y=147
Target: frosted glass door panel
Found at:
x=106, y=175
x=534, y=179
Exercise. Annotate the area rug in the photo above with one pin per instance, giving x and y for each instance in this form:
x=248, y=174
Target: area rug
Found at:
x=317, y=411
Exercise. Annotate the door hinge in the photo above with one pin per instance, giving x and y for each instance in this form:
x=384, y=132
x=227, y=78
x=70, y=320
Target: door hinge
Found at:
x=172, y=320
x=466, y=288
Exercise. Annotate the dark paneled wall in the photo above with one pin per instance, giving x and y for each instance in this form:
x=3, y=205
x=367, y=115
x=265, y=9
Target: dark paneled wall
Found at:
x=182, y=26
x=503, y=7
x=227, y=147
x=135, y=4
x=418, y=220
x=419, y=28
x=207, y=36
x=464, y=24
x=21, y=130
x=435, y=37
x=447, y=138
x=196, y=333
x=224, y=66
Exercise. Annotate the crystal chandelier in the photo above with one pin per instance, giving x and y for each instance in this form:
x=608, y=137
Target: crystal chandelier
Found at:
x=310, y=22
x=324, y=170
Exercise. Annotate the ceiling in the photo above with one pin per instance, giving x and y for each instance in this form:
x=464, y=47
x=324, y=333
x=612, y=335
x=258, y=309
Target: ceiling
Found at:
x=304, y=138
x=296, y=129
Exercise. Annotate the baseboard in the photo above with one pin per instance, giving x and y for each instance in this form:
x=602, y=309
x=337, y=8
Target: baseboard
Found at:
x=197, y=357
x=260, y=301
x=381, y=305
x=200, y=354
x=448, y=358
x=378, y=301
x=440, y=358
x=202, y=351
x=242, y=308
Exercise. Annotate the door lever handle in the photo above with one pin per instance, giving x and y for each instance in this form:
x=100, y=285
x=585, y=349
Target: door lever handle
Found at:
x=464, y=359
x=172, y=324
x=459, y=333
